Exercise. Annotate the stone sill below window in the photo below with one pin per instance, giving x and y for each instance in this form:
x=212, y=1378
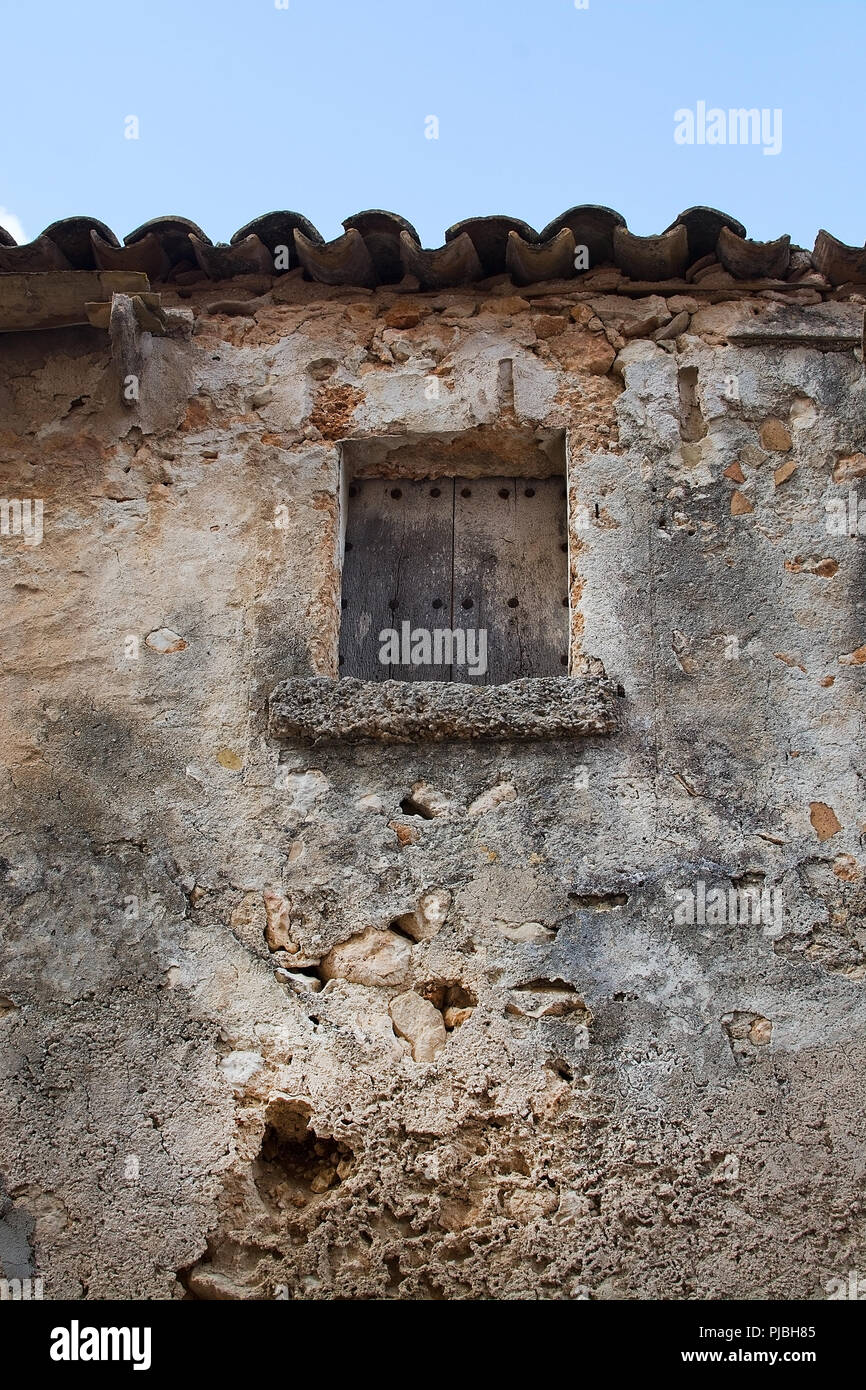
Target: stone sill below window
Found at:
x=321, y=710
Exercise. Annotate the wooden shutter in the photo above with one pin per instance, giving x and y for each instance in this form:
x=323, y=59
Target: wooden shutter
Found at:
x=457, y=553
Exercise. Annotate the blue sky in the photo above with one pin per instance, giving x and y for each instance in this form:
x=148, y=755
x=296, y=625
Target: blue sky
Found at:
x=320, y=108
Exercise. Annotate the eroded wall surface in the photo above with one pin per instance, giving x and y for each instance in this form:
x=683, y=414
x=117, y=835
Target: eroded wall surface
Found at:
x=421, y=1022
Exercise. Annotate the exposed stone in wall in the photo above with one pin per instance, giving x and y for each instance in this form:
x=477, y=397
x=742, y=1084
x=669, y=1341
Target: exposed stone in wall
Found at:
x=382, y=1021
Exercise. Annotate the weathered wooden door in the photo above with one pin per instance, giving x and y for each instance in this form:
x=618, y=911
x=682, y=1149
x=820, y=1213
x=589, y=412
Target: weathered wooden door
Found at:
x=471, y=556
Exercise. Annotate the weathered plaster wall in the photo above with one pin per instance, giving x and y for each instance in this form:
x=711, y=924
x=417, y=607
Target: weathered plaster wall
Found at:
x=668, y=1111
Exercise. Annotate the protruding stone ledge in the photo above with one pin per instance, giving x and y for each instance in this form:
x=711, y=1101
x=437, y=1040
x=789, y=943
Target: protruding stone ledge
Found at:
x=834, y=326
x=319, y=710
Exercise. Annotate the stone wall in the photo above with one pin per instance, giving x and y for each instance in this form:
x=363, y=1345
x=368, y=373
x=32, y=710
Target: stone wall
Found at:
x=420, y=1021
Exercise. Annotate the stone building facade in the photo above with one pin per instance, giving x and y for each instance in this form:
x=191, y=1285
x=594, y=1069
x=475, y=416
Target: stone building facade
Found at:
x=315, y=986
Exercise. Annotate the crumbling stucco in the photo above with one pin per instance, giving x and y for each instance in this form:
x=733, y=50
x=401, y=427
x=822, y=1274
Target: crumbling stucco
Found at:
x=372, y=1021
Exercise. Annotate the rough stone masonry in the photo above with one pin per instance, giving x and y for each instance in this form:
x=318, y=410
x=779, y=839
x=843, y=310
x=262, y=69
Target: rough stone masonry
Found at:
x=298, y=1002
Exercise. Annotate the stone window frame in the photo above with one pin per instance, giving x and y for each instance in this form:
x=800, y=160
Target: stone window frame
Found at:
x=331, y=708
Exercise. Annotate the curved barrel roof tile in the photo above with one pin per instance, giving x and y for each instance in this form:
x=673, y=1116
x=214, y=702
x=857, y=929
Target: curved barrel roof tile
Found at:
x=381, y=232
x=840, y=263
x=592, y=226
x=72, y=238
x=276, y=231
x=381, y=248
x=703, y=226
x=489, y=236
x=663, y=257
x=753, y=260
x=344, y=261
x=145, y=255
x=40, y=254
x=552, y=259
x=455, y=263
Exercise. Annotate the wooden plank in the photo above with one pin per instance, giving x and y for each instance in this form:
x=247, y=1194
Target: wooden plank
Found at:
x=58, y=299
x=511, y=574
x=396, y=570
